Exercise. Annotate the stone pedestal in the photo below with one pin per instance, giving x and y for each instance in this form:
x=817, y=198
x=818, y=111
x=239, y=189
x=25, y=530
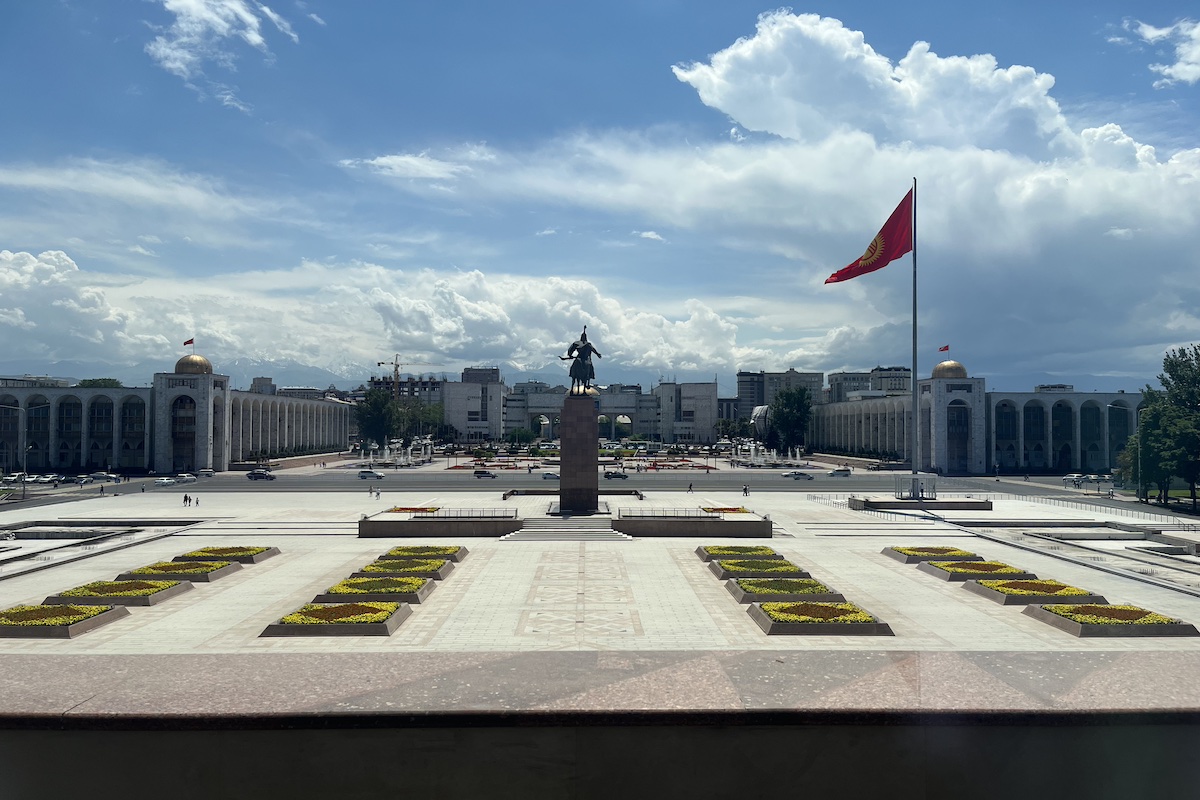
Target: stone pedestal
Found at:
x=579, y=434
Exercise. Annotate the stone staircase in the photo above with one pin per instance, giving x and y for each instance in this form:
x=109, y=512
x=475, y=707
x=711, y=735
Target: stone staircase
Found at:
x=567, y=529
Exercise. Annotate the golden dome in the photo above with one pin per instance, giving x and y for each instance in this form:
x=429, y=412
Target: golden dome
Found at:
x=949, y=369
x=193, y=365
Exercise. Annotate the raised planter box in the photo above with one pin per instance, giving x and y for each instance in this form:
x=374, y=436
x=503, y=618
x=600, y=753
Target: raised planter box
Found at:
x=155, y=598
x=1128, y=629
x=946, y=575
x=70, y=631
x=1009, y=599
x=381, y=597
x=918, y=555
x=773, y=627
x=214, y=554
x=705, y=555
x=745, y=596
x=194, y=577
x=437, y=574
x=450, y=553
x=725, y=570
x=385, y=628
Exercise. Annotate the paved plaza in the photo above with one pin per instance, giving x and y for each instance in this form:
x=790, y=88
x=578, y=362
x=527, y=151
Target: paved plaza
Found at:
x=599, y=625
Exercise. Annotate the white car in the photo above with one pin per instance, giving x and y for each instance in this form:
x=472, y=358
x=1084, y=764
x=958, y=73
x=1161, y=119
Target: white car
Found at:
x=185, y=477
x=83, y=479
x=549, y=476
x=164, y=481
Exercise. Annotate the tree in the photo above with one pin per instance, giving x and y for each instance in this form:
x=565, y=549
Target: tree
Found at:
x=377, y=417
x=1168, y=434
x=520, y=436
x=789, y=417
x=100, y=383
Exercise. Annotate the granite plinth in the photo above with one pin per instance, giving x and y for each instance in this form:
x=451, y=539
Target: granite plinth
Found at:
x=579, y=435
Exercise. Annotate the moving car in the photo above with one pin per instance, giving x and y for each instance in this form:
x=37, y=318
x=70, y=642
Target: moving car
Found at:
x=802, y=476
x=260, y=475
x=164, y=481
x=840, y=472
x=549, y=476
x=610, y=474
x=83, y=479
x=370, y=474
x=793, y=473
x=185, y=477
x=205, y=473
x=484, y=473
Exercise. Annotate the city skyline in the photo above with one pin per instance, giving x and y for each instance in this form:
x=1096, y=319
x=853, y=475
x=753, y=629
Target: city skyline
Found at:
x=330, y=185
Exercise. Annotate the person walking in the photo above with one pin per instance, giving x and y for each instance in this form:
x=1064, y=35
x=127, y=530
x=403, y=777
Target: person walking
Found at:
x=689, y=488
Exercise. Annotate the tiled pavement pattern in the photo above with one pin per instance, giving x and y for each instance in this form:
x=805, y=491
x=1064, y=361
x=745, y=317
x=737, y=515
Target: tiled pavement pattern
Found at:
x=570, y=625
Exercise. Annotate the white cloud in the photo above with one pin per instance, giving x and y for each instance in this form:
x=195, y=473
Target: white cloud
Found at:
x=649, y=235
x=142, y=251
x=546, y=232
x=1184, y=36
x=418, y=166
x=203, y=32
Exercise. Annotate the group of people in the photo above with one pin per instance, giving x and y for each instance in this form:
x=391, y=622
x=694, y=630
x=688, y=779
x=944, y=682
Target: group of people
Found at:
x=373, y=491
x=188, y=500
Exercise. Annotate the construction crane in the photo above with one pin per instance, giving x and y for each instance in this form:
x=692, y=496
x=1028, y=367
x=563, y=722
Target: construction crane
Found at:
x=396, y=364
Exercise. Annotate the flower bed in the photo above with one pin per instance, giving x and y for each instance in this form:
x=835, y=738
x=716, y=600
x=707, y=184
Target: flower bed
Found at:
x=413, y=509
x=366, y=618
x=1026, y=592
x=240, y=555
x=755, y=590
x=756, y=568
x=1109, y=620
x=121, y=593
x=56, y=621
x=450, y=552
x=385, y=589
x=436, y=568
x=914, y=555
x=196, y=571
x=967, y=570
x=820, y=619
x=715, y=551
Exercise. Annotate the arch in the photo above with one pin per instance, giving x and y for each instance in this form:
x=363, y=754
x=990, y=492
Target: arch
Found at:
x=1035, y=434
x=98, y=449
x=132, y=453
x=37, y=432
x=1063, y=422
x=10, y=434
x=958, y=437
x=67, y=440
x=182, y=422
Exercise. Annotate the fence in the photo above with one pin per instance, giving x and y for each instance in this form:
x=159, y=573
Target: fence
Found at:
x=467, y=513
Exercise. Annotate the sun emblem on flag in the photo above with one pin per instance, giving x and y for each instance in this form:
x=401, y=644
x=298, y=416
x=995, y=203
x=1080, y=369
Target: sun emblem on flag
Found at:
x=873, y=251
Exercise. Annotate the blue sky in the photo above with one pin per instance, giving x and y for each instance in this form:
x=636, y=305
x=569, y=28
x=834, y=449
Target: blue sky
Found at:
x=470, y=183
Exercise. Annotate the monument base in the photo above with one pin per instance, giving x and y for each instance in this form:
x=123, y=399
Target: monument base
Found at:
x=578, y=474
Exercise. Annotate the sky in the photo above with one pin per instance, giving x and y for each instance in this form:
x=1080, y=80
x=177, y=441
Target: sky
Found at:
x=470, y=183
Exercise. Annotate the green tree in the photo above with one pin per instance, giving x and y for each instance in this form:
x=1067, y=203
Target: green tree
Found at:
x=100, y=383
x=1180, y=380
x=789, y=417
x=377, y=416
x=520, y=436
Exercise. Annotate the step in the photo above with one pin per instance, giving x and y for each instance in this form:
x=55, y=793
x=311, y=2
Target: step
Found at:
x=566, y=536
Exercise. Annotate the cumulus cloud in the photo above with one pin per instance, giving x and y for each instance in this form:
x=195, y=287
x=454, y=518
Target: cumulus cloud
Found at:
x=419, y=166
x=1184, y=38
x=649, y=235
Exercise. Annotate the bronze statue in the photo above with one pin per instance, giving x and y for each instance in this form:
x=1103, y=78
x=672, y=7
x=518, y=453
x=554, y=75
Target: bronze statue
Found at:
x=582, y=371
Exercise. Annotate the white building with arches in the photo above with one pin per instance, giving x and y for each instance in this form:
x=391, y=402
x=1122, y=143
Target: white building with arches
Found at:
x=966, y=430
x=186, y=420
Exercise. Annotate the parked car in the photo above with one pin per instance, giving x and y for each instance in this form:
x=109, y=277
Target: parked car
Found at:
x=185, y=477
x=484, y=473
x=369, y=475
x=1073, y=477
x=164, y=481
x=840, y=472
x=47, y=478
x=611, y=473
x=83, y=479
x=260, y=475
x=549, y=476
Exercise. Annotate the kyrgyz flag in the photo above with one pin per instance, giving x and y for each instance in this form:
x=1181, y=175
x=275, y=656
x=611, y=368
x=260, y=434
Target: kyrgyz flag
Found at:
x=189, y=341
x=893, y=240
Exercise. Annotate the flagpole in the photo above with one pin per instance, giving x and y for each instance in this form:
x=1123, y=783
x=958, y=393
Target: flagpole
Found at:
x=915, y=493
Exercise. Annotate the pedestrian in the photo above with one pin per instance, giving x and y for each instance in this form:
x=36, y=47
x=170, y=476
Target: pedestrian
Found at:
x=196, y=501
x=143, y=488
x=689, y=488
x=101, y=490
x=185, y=499
x=745, y=490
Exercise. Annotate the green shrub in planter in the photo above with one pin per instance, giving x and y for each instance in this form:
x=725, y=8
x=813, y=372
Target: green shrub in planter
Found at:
x=224, y=552
x=783, y=567
x=1110, y=615
x=782, y=586
x=1035, y=587
x=424, y=551
x=352, y=586
x=180, y=567
x=37, y=616
x=407, y=565
x=119, y=589
x=348, y=613
x=817, y=612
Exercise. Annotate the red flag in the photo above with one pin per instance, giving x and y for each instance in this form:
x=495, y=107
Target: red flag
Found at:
x=189, y=341
x=944, y=349
x=893, y=240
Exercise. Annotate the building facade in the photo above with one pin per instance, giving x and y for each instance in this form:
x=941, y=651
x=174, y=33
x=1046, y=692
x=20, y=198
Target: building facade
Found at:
x=186, y=420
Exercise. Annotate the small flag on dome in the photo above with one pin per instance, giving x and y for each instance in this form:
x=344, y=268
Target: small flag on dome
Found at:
x=944, y=348
x=189, y=341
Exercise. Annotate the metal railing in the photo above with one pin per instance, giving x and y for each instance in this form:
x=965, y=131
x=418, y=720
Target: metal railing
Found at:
x=467, y=513
x=667, y=513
